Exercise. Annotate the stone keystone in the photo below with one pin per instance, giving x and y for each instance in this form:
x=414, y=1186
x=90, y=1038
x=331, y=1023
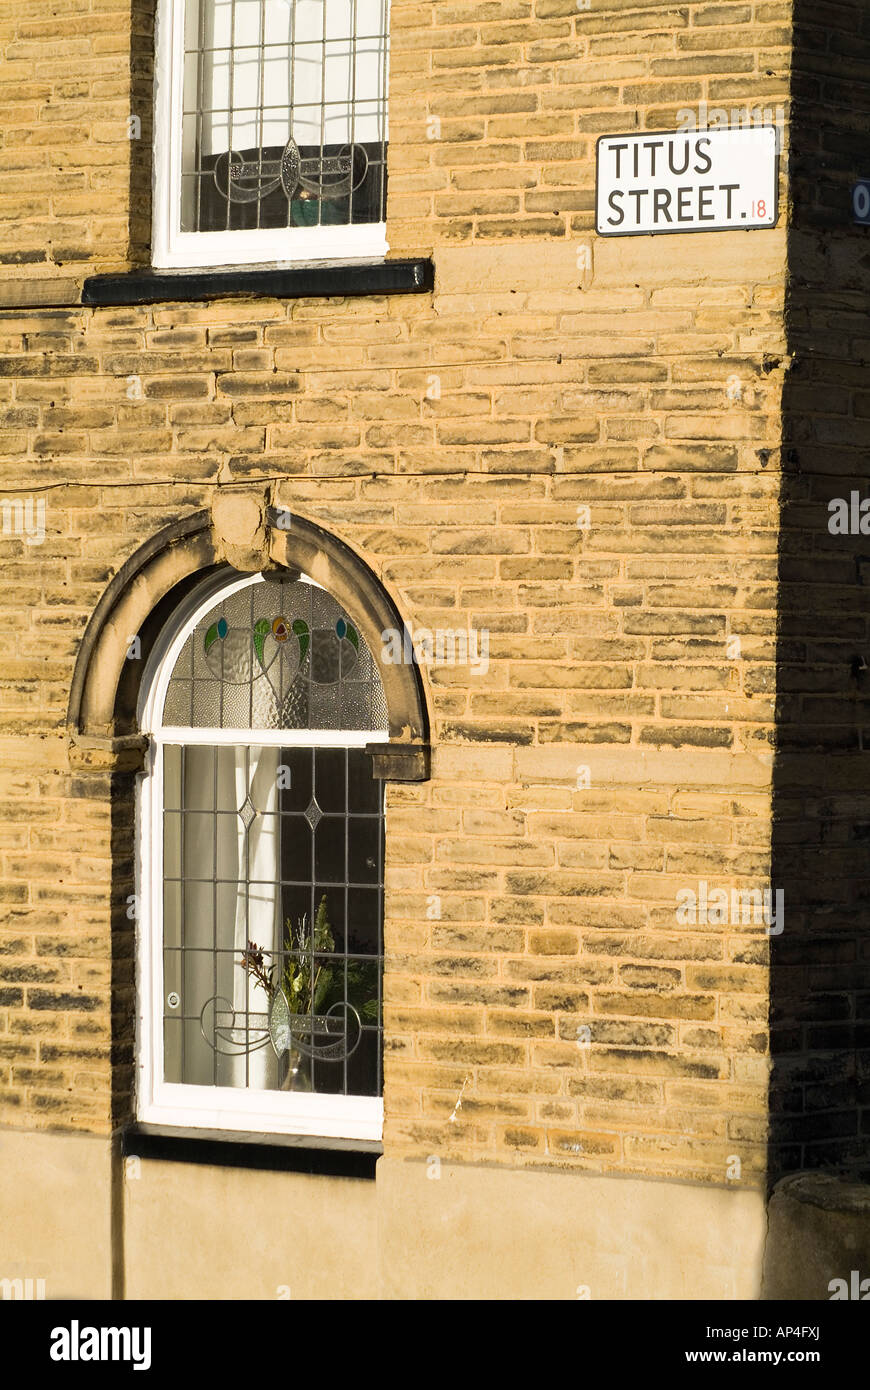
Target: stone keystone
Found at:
x=238, y=518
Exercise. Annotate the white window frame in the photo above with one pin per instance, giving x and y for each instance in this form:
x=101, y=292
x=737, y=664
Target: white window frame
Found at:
x=214, y=1107
x=173, y=249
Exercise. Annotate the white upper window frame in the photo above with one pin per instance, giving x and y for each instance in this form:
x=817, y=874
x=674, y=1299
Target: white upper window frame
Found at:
x=173, y=249
x=214, y=1107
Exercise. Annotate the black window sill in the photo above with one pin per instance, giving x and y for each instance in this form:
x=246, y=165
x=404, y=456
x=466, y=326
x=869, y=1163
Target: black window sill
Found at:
x=283, y=1153
x=304, y=282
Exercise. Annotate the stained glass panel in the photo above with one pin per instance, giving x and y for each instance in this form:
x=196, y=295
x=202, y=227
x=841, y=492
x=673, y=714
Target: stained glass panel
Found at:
x=282, y=654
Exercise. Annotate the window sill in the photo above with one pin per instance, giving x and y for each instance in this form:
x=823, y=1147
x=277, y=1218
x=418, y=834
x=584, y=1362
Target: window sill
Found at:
x=415, y=276
x=285, y=1153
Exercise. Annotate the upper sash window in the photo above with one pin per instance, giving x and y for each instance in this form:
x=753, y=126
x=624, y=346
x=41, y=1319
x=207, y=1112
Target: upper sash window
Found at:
x=271, y=131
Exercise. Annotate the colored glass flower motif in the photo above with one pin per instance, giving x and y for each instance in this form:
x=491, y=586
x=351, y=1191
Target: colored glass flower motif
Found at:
x=300, y=628
x=228, y=652
x=334, y=652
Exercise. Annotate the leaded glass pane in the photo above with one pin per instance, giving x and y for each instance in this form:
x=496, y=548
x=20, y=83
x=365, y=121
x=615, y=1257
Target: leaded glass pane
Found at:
x=273, y=947
x=285, y=114
x=281, y=654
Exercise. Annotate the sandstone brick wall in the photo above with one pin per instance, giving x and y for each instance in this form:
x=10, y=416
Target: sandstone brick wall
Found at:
x=497, y=104
x=76, y=171
x=495, y=108
x=454, y=442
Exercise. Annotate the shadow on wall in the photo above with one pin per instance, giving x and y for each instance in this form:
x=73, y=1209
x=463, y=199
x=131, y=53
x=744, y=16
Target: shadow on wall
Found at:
x=820, y=964
x=141, y=131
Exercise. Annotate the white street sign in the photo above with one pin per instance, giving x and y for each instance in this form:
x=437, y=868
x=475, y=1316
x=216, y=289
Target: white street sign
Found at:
x=686, y=181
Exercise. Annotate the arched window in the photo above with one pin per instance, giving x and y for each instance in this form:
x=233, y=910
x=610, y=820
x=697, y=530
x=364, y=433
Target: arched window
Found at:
x=261, y=867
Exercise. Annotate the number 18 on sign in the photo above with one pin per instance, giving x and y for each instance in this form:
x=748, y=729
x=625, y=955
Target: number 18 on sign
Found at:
x=687, y=181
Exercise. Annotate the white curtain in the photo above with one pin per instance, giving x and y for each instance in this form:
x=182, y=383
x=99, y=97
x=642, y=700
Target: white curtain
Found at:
x=308, y=60
x=240, y=904
x=256, y=916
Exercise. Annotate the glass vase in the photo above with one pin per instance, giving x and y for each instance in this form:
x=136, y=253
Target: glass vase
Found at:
x=297, y=1071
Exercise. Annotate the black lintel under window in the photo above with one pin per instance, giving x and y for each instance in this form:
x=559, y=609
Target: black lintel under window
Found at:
x=412, y=276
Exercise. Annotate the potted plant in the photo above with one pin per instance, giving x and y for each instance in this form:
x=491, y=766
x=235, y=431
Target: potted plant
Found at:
x=304, y=987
